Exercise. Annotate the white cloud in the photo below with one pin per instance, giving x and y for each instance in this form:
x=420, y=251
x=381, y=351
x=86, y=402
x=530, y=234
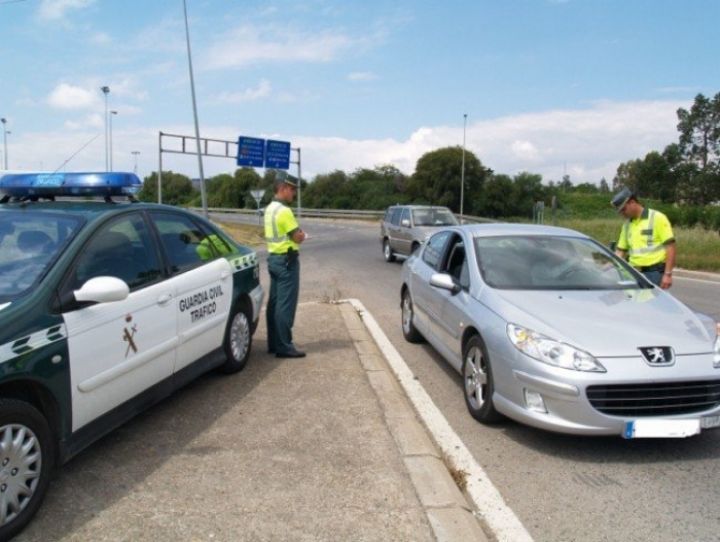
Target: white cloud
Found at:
x=94, y=120
x=248, y=44
x=100, y=38
x=587, y=143
x=262, y=90
x=361, y=76
x=65, y=96
x=56, y=9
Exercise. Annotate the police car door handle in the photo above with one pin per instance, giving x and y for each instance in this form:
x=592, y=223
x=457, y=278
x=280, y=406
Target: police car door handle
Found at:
x=165, y=298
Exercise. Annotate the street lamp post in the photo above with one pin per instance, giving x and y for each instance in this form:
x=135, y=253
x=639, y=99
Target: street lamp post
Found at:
x=111, y=144
x=106, y=91
x=5, y=133
x=462, y=173
x=203, y=197
x=135, y=154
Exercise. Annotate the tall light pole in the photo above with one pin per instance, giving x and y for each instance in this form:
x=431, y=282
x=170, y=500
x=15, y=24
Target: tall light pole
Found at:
x=135, y=154
x=111, y=146
x=203, y=197
x=106, y=91
x=5, y=133
x=462, y=173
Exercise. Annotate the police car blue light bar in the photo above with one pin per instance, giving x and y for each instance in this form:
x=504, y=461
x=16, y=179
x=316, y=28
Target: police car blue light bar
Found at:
x=48, y=185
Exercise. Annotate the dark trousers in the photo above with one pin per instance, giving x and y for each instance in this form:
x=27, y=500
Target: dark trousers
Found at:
x=282, y=302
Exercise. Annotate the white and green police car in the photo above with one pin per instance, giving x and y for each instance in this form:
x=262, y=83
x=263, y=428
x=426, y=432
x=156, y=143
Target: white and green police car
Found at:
x=105, y=308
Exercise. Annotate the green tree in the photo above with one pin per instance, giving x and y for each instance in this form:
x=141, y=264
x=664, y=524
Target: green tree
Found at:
x=496, y=202
x=177, y=189
x=700, y=130
x=437, y=176
x=526, y=190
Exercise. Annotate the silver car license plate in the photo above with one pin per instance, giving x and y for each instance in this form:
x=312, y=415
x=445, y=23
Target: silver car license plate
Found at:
x=658, y=428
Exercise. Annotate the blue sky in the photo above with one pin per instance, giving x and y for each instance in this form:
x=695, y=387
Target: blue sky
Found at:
x=549, y=86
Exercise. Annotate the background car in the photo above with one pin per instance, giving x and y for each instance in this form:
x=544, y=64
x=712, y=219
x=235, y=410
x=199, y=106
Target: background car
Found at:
x=405, y=227
x=105, y=309
x=551, y=329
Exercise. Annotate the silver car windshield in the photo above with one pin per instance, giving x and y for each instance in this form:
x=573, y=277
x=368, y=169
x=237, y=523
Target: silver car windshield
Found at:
x=29, y=245
x=551, y=263
x=433, y=217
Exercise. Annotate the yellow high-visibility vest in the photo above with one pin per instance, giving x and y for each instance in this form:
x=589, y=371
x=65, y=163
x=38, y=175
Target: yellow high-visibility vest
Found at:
x=644, y=238
x=279, y=222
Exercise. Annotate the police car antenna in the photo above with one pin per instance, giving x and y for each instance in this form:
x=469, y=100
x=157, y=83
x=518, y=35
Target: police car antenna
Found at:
x=75, y=154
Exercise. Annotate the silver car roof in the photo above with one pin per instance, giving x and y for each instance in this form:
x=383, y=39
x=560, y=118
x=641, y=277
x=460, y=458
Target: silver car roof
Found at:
x=495, y=229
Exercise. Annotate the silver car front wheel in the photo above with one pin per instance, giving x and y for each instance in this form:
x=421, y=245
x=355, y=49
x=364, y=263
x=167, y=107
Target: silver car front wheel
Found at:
x=478, y=381
x=410, y=332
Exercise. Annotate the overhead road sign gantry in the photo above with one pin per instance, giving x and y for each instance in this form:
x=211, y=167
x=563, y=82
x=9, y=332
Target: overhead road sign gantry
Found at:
x=277, y=154
x=251, y=152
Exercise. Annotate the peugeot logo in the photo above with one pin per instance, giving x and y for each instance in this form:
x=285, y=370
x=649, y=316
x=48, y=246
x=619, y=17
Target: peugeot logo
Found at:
x=657, y=356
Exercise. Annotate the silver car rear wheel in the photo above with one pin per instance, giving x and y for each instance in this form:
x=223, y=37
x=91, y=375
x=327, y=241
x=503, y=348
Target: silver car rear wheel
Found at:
x=478, y=381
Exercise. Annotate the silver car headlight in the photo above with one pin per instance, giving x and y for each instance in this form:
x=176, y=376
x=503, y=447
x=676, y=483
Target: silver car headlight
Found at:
x=550, y=351
x=716, y=354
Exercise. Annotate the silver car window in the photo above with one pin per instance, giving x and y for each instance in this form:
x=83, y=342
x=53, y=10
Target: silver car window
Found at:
x=550, y=263
x=434, y=249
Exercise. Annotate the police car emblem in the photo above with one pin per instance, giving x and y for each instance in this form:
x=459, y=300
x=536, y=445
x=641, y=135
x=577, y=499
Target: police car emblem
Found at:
x=657, y=356
x=129, y=336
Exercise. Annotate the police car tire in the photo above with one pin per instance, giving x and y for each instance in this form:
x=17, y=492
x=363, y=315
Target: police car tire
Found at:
x=25, y=416
x=239, y=329
x=485, y=412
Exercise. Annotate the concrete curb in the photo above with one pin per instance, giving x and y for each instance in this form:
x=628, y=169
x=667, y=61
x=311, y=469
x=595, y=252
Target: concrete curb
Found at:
x=499, y=521
x=448, y=512
x=697, y=275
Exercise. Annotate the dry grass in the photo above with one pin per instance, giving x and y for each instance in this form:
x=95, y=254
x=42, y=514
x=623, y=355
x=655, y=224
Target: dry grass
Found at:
x=459, y=476
x=245, y=234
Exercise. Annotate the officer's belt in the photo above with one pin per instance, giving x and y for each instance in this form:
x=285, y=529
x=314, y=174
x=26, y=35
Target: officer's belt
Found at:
x=655, y=267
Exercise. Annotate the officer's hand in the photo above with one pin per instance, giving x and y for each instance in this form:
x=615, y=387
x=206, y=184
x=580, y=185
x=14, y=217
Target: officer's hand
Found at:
x=666, y=281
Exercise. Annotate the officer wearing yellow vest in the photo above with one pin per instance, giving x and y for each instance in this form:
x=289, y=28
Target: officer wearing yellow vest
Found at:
x=646, y=238
x=283, y=237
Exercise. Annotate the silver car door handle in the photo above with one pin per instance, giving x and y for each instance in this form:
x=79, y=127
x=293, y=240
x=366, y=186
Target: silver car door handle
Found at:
x=224, y=275
x=164, y=299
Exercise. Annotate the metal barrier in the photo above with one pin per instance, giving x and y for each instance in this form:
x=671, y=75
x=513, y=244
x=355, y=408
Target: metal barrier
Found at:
x=355, y=214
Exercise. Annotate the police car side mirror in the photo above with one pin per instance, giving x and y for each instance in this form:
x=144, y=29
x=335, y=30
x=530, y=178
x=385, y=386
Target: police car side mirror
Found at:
x=102, y=290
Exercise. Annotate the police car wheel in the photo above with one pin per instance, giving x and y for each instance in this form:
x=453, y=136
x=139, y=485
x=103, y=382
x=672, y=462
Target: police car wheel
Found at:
x=26, y=461
x=410, y=332
x=479, y=385
x=387, y=252
x=238, y=342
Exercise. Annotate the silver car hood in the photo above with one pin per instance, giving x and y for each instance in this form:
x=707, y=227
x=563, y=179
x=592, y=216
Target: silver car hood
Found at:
x=607, y=322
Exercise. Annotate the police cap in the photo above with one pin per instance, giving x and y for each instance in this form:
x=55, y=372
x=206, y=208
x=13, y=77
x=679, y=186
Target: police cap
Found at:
x=621, y=198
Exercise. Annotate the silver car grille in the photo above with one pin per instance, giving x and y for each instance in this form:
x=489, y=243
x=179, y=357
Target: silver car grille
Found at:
x=656, y=399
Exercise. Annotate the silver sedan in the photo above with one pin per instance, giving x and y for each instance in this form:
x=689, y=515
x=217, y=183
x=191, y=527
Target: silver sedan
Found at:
x=549, y=328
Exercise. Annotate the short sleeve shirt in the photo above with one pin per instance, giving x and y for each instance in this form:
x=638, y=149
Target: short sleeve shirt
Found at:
x=646, y=246
x=280, y=222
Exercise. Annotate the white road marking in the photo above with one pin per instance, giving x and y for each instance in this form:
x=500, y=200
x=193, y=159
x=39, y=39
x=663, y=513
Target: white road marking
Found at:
x=491, y=507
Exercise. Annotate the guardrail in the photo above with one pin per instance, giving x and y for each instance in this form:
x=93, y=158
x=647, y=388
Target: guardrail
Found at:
x=355, y=214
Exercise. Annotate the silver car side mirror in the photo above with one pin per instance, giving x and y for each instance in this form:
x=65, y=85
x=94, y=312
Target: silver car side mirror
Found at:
x=445, y=282
x=405, y=223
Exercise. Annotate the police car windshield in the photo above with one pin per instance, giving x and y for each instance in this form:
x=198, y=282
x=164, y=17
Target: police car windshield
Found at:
x=29, y=244
x=551, y=263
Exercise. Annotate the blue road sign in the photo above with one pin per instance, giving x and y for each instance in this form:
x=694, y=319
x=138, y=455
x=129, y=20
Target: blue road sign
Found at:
x=251, y=152
x=277, y=154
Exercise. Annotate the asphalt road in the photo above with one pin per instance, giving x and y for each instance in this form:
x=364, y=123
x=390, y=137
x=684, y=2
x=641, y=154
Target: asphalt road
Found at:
x=561, y=487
